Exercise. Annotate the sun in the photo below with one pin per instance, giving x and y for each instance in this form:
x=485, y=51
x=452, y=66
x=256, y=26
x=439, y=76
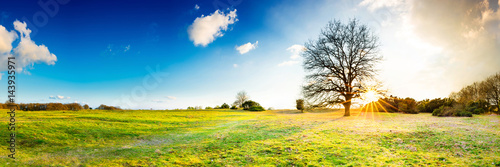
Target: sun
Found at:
x=370, y=95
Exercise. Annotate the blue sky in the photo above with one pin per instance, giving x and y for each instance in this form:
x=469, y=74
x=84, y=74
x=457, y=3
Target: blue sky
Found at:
x=105, y=48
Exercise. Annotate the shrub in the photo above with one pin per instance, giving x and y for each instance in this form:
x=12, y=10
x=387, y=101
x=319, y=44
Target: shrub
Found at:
x=300, y=104
x=408, y=105
x=463, y=114
x=248, y=104
x=438, y=111
x=234, y=107
x=478, y=111
x=224, y=106
x=256, y=108
x=190, y=108
x=208, y=108
x=446, y=111
x=217, y=107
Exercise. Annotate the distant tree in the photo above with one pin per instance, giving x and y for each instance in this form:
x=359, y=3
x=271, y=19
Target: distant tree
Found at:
x=241, y=97
x=208, y=108
x=491, y=90
x=105, y=107
x=234, y=107
x=86, y=106
x=190, y=108
x=224, y=106
x=408, y=105
x=248, y=104
x=338, y=62
x=300, y=104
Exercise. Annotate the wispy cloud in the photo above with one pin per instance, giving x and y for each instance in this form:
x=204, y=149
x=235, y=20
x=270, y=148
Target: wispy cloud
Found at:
x=245, y=48
x=196, y=7
x=171, y=97
x=288, y=63
x=206, y=29
x=127, y=48
x=296, y=50
x=112, y=50
x=159, y=101
x=59, y=97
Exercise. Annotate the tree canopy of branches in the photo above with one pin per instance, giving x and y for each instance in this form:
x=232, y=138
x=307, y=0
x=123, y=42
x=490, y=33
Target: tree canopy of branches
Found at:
x=241, y=97
x=338, y=62
x=477, y=93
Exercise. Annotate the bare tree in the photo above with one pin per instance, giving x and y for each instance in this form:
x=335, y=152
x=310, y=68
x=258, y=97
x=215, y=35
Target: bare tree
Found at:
x=241, y=97
x=338, y=62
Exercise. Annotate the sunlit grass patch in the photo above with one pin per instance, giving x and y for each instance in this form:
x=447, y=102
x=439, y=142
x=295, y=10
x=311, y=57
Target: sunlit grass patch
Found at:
x=239, y=138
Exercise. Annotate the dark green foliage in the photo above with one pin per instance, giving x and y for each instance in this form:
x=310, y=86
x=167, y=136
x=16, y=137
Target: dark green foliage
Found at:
x=248, y=104
x=189, y=108
x=408, y=106
x=234, y=107
x=429, y=106
x=447, y=111
x=300, y=104
x=477, y=107
x=463, y=114
x=256, y=108
x=208, y=108
x=224, y=106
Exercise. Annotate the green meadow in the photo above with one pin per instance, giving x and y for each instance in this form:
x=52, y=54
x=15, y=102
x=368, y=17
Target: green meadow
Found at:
x=242, y=138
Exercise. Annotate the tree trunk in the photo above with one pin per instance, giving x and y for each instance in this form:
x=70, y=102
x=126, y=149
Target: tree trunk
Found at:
x=347, y=106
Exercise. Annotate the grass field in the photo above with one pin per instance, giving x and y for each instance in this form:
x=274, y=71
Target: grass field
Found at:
x=240, y=138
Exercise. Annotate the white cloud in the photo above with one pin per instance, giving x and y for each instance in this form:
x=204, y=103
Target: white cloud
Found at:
x=206, y=29
x=296, y=50
x=59, y=97
x=288, y=63
x=247, y=47
x=6, y=39
x=374, y=5
x=27, y=53
x=196, y=7
x=234, y=65
x=171, y=97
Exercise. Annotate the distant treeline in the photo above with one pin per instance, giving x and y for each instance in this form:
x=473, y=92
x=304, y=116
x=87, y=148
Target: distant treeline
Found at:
x=55, y=106
x=477, y=98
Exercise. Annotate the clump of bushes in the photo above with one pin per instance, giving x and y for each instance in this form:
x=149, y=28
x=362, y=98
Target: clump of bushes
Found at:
x=248, y=104
x=208, y=108
x=447, y=111
x=394, y=104
x=234, y=107
x=224, y=106
x=105, y=107
x=256, y=108
x=477, y=107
